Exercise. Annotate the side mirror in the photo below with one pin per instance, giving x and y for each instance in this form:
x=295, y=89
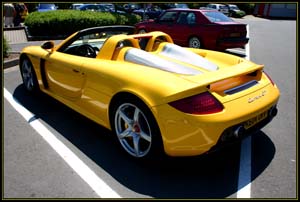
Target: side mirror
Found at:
x=48, y=45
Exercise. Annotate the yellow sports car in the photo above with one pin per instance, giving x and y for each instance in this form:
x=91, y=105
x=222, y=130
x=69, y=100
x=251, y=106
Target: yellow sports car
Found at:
x=156, y=97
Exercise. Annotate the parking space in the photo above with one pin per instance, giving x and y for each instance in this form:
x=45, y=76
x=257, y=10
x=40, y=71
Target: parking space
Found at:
x=33, y=169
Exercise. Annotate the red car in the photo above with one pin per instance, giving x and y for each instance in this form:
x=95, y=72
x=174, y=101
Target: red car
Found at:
x=209, y=29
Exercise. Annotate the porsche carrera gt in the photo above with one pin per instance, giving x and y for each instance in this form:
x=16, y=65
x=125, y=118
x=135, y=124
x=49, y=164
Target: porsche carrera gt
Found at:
x=155, y=96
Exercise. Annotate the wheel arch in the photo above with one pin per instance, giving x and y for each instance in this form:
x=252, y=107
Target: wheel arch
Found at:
x=122, y=96
x=26, y=56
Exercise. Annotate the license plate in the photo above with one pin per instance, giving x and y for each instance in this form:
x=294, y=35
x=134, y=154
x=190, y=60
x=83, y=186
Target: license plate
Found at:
x=255, y=120
x=235, y=34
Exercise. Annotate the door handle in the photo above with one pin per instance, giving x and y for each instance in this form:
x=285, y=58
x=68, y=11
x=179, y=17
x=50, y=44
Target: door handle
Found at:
x=76, y=70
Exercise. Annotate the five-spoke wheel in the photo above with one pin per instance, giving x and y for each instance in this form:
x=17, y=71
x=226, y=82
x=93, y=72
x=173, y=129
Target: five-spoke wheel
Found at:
x=136, y=129
x=28, y=75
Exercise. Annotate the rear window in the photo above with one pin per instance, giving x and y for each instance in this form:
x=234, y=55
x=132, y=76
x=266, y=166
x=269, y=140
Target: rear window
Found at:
x=215, y=16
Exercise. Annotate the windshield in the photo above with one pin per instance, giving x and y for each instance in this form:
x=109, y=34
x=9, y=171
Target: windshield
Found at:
x=215, y=16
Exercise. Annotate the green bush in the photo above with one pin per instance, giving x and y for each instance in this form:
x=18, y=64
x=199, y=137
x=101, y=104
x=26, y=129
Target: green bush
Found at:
x=6, y=47
x=66, y=22
x=248, y=8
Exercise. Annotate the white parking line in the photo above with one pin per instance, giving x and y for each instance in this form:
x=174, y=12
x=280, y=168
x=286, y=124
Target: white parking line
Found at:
x=247, y=47
x=89, y=176
x=244, y=181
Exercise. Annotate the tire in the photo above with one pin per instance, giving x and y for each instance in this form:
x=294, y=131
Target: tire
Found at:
x=28, y=76
x=194, y=42
x=136, y=129
x=142, y=31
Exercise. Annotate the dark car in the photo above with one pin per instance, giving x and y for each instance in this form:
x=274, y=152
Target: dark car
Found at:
x=209, y=29
x=43, y=7
x=93, y=7
x=112, y=8
x=174, y=5
x=148, y=13
x=76, y=6
x=234, y=11
x=131, y=7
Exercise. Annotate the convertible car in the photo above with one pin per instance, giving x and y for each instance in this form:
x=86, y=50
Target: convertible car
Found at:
x=156, y=97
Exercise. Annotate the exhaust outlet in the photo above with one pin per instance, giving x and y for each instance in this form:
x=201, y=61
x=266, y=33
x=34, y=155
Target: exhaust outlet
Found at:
x=240, y=130
x=273, y=112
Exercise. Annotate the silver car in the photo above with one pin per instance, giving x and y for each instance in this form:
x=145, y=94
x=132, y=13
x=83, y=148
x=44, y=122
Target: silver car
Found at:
x=220, y=7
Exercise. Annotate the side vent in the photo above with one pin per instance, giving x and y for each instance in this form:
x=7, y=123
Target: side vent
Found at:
x=43, y=73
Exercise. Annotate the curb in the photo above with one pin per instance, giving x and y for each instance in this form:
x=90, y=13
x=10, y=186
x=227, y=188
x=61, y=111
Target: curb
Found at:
x=11, y=63
x=12, y=28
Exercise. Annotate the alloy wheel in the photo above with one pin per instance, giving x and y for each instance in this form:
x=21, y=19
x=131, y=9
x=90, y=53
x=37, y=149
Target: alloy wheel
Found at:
x=133, y=130
x=194, y=42
x=28, y=75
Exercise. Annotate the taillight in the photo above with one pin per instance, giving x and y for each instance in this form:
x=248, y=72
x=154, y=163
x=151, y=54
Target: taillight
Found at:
x=203, y=103
x=269, y=78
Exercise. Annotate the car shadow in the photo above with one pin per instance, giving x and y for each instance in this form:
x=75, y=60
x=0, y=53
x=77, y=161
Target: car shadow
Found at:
x=213, y=175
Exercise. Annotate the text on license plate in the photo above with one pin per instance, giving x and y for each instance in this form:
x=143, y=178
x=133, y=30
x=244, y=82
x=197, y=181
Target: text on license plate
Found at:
x=255, y=120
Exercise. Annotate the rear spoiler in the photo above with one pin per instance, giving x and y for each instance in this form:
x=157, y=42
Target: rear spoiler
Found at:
x=204, y=81
x=208, y=78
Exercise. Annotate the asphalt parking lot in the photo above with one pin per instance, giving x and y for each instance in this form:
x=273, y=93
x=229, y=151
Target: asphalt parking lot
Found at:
x=33, y=169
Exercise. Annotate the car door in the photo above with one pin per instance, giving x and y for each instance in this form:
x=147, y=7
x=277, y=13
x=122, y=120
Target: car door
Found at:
x=184, y=27
x=63, y=74
x=166, y=23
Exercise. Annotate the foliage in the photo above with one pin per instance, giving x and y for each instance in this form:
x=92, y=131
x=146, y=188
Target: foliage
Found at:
x=248, y=8
x=66, y=22
x=6, y=47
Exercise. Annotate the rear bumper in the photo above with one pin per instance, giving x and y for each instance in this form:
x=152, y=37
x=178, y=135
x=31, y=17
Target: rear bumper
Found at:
x=237, y=133
x=190, y=135
x=225, y=43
